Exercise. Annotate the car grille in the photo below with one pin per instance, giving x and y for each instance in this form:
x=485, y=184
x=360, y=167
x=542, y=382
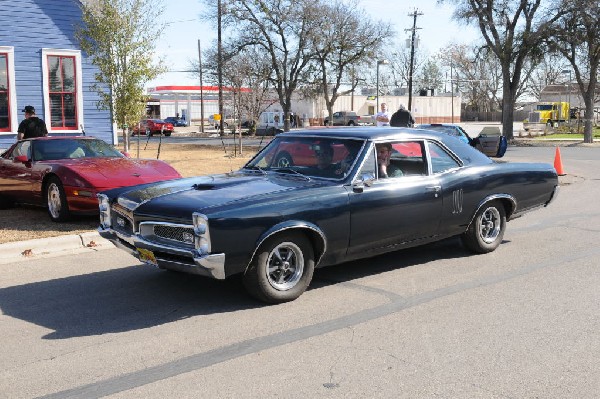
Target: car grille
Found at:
x=174, y=233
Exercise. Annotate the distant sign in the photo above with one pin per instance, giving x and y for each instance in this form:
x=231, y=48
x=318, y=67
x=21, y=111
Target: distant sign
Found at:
x=371, y=97
x=217, y=117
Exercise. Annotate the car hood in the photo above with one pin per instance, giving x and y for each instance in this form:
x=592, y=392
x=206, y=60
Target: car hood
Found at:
x=179, y=198
x=105, y=173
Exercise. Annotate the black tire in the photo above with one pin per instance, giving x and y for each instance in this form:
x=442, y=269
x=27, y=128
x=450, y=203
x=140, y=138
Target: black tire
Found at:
x=167, y=134
x=351, y=123
x=6, y=203
x=283, y=160
x=486, y=231
x=56, y=200
x=282, y=268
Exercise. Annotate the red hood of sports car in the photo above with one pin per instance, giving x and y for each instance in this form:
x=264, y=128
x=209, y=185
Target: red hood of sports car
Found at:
x=106, y=173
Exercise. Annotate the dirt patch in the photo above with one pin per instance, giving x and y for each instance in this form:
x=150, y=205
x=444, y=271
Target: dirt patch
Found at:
x=26, y=223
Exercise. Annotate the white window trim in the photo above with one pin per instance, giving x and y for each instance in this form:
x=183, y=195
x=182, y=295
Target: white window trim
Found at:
x=12, y=90
x=78, y=71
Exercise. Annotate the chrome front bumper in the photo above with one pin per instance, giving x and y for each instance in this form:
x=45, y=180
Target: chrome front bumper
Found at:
x=168, y=257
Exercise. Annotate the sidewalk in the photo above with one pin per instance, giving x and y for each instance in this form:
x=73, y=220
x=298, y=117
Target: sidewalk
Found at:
x=53, y=246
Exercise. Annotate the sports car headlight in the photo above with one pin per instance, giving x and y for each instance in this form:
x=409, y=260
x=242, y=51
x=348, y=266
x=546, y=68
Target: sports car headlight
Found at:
x=104, y=205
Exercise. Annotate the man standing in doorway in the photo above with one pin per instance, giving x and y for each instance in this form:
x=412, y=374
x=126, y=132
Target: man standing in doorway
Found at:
x=31, y=126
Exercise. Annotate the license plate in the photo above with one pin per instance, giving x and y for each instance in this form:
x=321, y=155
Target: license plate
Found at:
x=147, y=256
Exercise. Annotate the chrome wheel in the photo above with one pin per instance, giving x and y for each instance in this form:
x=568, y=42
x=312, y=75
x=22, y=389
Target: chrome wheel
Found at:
x=285, y=266
x=490, y=225
x=282, y=268
x=54, y=200
x=486, y=231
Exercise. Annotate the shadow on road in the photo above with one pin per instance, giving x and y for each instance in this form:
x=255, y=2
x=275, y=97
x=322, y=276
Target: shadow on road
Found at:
x=138, y=297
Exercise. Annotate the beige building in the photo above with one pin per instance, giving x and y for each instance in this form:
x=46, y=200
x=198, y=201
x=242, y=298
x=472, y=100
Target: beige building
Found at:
x=185, y=101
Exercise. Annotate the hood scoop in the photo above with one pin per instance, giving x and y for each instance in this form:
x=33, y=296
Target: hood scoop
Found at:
x=203, y=186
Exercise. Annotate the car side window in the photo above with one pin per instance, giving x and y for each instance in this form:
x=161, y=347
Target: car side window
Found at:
x=401, y=158
x=23, y=148
x=441, y=160
x=369, y=167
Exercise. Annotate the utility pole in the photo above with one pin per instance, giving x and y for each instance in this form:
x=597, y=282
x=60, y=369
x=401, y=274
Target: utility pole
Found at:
x=414, y=14
x=220, y=67
x=201, y=90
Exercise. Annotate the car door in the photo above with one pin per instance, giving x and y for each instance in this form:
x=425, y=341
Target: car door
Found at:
x=488, y=141
x=386, y=213
x=16, y=177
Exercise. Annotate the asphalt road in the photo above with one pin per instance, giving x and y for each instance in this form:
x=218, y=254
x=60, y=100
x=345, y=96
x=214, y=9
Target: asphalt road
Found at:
x=436, y=321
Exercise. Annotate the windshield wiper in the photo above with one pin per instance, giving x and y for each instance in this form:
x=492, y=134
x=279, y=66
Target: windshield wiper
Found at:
x=290, y=170
x=254, y=167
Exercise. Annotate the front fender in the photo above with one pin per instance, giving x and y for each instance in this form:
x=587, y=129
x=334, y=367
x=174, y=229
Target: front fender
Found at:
x=314, y=233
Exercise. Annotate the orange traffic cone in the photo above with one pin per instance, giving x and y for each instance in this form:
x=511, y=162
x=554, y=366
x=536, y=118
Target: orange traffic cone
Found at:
x=558, y=163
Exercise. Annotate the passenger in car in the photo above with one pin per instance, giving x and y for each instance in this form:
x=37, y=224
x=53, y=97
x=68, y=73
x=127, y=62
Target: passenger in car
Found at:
x=325, y=167
x=384, y=153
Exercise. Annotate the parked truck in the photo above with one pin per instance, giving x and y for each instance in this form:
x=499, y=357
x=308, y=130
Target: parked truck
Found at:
x=550, y=114
x=344, y=118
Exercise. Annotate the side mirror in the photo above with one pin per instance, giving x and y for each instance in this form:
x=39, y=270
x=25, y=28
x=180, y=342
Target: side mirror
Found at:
x=365, y=180
x=21, y=159
x=126, y=154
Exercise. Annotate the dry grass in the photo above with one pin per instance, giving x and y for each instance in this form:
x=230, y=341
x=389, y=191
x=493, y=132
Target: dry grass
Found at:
x=25, y=223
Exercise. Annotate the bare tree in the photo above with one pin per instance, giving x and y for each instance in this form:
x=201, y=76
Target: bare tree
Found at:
x=476, y=75
x=578, y=39
x=246, y=72
x=343, y=39
x=548, y=72
x=514, y=31
x=281, y=29
x=430, y=75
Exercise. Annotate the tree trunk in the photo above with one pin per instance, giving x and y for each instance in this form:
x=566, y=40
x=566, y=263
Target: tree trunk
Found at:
x=507, y=112
x=588, y=136
x=126, y=139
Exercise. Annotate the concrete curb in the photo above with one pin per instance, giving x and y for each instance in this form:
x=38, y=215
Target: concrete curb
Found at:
x=52, y=246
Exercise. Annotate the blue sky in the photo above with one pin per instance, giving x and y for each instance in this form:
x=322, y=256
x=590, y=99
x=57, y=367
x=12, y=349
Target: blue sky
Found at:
x=179, y=42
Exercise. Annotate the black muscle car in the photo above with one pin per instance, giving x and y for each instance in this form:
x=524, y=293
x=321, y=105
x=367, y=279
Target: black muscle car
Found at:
x=319, y=197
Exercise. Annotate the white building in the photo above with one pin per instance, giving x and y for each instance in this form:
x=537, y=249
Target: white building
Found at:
x=185, y=101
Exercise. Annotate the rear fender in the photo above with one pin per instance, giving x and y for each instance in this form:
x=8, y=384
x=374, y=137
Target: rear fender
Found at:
x=509, y=202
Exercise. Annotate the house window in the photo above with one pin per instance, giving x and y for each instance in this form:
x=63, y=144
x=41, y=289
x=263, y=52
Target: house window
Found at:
x=8, y=118
x=4, y=105
x=62, y=90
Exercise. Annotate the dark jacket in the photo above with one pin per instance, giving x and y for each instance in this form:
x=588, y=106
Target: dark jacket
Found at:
x=402, y=118
x=32, y=127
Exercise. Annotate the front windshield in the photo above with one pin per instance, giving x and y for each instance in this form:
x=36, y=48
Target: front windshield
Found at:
x=330, y=158
x=45, y=150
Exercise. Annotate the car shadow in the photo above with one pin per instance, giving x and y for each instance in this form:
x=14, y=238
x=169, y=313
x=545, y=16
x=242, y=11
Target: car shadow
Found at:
x=139, y=297
x=446, y=249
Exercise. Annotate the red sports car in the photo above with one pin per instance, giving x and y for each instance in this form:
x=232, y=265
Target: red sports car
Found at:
x=153, y=126
x=64, y=174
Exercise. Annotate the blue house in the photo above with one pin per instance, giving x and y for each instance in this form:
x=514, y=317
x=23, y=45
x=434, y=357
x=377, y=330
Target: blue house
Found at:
x=42, y=65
